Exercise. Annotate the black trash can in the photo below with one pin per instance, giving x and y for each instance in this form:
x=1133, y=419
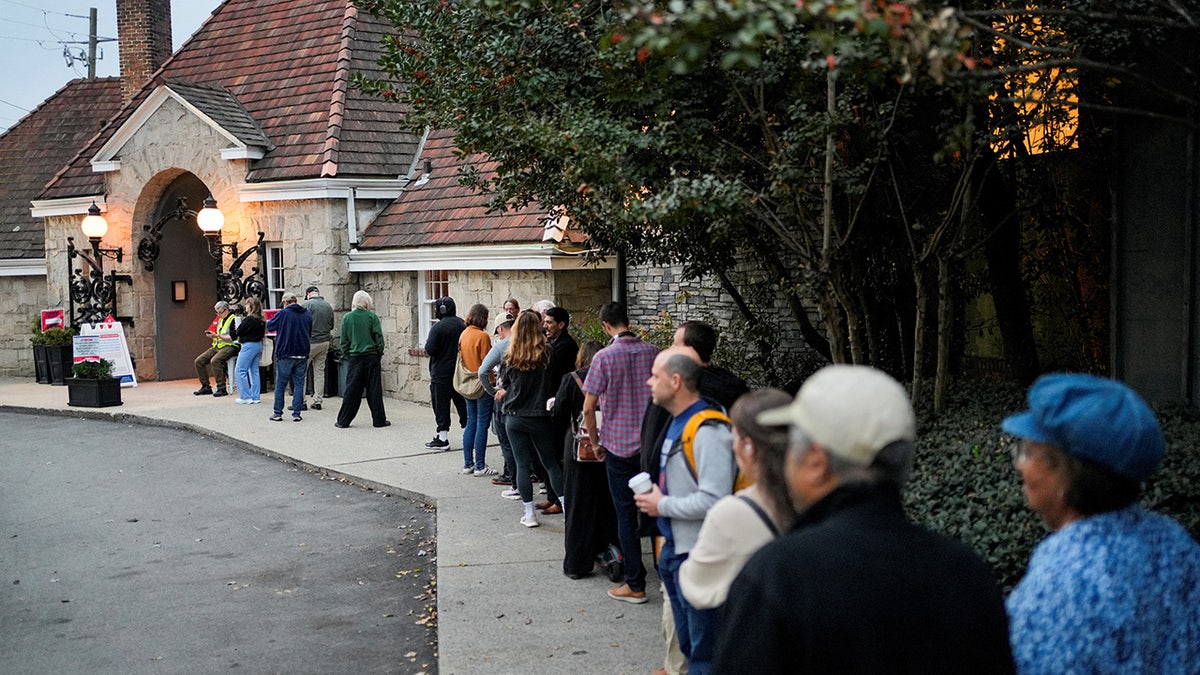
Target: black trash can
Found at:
x=334, y=386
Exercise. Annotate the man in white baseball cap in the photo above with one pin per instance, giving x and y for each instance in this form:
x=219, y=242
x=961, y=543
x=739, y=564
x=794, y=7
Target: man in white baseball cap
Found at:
x=856, y=587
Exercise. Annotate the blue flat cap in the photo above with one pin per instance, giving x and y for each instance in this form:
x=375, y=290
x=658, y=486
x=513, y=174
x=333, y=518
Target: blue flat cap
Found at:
x=1092, y=418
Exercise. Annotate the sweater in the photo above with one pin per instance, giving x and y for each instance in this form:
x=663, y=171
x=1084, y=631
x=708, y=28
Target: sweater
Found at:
x=292, y=327
x=474, y=345
x=322, y=318
x=362, y=334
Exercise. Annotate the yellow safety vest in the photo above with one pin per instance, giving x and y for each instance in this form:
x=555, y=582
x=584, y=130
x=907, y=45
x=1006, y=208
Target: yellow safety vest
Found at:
x=224, y=327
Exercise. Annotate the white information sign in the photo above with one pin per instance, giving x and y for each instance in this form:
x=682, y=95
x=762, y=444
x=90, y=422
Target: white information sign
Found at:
x=106, y=341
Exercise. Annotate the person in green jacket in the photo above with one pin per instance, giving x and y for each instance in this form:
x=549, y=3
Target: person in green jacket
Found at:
x=362, y=345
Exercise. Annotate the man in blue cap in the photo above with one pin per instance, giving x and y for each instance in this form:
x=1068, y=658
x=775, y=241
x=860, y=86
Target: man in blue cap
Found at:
x=1114, y=588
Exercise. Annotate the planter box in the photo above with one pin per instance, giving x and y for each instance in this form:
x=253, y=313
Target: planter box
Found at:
x=93, y=393
x=61, y=359
x=41, y=363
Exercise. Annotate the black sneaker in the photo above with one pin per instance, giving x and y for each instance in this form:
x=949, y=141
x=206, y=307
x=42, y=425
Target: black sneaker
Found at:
x=220, y=392
x=316, y=406
x=437, y=444
x=502, y=480
x=203, y=391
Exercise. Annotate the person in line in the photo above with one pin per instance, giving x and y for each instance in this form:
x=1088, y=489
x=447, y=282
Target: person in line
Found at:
x=685, y=492
x=511, y=309
x=322, y=334
x=473, y=346
x=856, y=587
x=591, y=524
x=1114, y=588
x=292, y=326
x=738, y=525
x=362, y=345
x=488, y=372
x=250, y=333
x=616, y=382
x=718, y=386
x=523, y=391
x=442, y=348
x=224, y=347
x=563, y=352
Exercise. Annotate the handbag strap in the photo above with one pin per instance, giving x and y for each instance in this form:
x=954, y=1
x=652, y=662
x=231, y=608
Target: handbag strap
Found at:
x=761, y=514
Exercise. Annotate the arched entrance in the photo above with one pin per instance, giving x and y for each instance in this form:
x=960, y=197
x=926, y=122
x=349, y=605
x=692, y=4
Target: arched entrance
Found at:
x=182, y=310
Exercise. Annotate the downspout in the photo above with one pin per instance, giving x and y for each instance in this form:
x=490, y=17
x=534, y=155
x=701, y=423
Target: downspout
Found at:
x=351, y=218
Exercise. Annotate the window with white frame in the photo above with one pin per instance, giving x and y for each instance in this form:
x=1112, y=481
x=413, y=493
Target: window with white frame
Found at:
x=275, y=281
x=434, y=284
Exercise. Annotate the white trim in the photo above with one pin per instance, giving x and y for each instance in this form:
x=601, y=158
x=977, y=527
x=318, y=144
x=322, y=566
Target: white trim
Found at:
x=22, y=267
x=246, y=152
x=489, y=257
x=103, y=162
x=321, y=188
x=69, y=206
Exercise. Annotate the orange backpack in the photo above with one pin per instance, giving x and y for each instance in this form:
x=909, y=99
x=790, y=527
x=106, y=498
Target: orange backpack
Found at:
x=688, y=439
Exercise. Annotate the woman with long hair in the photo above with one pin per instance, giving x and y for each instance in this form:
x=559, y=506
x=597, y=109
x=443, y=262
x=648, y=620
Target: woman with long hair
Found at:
x=473, y=345
x=591, y=526
x=738, y=525
x=250, y=334
x=525, y=387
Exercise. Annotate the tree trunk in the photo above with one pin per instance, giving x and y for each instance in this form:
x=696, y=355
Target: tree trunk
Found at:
x=833, y=325
x=1009, y=296
x=921, y=318
x=945, y=332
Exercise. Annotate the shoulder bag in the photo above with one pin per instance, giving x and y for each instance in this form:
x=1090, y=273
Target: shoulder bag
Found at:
x=583, y=449
x=466, y=382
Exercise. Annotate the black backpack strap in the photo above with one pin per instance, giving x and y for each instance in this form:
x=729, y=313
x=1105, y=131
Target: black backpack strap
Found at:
x=761, y=514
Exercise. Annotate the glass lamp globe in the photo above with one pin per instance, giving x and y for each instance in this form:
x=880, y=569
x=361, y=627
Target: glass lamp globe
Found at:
x=94, y=225
x=210, y=219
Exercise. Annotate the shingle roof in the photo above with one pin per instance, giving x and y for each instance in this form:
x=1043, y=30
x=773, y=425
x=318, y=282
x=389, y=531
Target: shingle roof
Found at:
x=41, y=144
x=288, y=62
x=442, y=212
x=224, y=109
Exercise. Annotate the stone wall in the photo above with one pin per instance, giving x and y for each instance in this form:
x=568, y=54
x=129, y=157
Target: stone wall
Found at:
x=26, y=298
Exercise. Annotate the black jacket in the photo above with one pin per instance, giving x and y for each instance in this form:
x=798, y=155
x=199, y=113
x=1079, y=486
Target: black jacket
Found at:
x=442, y=346
x=563, y=351
x=857, y=588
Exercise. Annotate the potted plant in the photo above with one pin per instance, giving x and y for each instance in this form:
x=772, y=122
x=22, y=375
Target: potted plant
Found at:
x=53, y=353
x=93, y=385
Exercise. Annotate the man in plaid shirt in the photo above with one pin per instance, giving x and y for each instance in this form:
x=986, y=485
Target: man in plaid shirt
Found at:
x=616, y=384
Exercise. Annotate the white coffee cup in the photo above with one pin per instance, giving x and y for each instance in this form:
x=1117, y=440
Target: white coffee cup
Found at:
x=640, y=483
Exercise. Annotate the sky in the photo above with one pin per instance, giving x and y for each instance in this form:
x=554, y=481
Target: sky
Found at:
x=34, y=33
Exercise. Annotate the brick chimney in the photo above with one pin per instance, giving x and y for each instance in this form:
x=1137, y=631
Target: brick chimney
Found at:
x=144, y=37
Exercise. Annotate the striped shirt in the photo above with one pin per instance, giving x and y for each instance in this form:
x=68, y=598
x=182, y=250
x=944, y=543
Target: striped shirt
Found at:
x=618, y=377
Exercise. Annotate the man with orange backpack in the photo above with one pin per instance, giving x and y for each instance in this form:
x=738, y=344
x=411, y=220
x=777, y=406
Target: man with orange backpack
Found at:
x=696, y=469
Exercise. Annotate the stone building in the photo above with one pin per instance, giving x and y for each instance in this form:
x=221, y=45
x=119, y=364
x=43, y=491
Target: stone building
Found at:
x=317, y=182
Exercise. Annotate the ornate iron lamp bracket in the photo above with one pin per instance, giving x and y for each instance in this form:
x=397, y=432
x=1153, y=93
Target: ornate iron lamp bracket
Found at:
x=148, y=248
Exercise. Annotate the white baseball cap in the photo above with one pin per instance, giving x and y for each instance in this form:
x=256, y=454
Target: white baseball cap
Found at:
x=852, y=411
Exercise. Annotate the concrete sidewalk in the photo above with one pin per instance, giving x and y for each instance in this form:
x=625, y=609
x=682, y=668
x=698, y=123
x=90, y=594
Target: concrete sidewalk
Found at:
x=504, y=605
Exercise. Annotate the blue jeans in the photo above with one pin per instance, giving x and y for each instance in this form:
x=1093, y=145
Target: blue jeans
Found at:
x=245, y=373
x=475, y=436
x=696, y=629
x=290, y=370
x=527, y=436
x=510, y=464
x=620, y=470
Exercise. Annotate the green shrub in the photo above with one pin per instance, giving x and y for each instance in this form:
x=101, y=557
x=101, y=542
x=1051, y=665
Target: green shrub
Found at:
x=54, y=337
x=92, y=370
x=964, y=485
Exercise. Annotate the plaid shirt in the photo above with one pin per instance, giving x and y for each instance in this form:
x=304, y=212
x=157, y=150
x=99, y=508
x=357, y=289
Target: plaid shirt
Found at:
x=618, y=376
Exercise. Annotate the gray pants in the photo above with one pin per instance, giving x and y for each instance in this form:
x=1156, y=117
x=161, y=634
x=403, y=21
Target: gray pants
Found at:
x=316, y=358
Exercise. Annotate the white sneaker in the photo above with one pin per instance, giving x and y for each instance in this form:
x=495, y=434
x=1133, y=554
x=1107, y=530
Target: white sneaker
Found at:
x=529, y=520
x=485, y=471
x=253, y=401
x=542, y=488
x=467, y=470
x=242, y=401
x=511, y=494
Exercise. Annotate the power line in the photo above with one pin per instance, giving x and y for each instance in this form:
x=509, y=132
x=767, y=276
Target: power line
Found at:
x=13, y=105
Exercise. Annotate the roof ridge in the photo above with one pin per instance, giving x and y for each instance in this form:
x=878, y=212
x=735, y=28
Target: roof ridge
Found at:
x=337, y=101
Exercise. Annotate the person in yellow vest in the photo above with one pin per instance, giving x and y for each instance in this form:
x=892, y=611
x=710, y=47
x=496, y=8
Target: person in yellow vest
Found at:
x=224, y=347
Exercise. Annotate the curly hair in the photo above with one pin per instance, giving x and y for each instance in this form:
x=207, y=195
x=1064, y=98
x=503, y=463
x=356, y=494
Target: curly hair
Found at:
x=528, y=348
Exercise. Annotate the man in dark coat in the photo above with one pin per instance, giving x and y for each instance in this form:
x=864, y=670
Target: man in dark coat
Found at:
x=292, y=327
x=856, y=587
x=442, y=348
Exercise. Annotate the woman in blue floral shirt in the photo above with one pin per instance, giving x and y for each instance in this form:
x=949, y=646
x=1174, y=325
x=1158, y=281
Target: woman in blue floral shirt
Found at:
x=1114, y=588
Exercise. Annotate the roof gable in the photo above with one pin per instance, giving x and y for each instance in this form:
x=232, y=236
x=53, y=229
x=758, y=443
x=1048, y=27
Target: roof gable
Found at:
x=214, y=106
x=39, y=145
x=288, y=65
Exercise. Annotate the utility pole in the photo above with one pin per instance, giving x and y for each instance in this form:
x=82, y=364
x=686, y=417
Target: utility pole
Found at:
x=92, y=43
